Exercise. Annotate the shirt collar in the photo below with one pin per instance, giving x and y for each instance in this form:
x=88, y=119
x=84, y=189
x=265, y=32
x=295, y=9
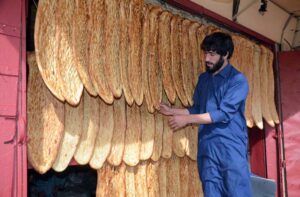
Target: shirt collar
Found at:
x=225, y=71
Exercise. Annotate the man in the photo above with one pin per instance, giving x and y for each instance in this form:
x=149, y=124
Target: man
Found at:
x=219, y=105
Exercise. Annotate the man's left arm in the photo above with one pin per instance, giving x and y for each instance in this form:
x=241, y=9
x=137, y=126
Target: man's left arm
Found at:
x=235, y=95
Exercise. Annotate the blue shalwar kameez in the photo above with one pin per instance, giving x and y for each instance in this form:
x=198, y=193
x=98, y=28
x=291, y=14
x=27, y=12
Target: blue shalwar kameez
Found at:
x=222, y=147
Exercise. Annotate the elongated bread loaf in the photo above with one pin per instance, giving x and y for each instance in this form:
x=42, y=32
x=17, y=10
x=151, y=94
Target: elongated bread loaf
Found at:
x=97, y=52
x=86, y=144
x=164, y=53
x=72, y=132
x=104, y=135
x=118, y=138
x=46, y=46
x=45, y=121
x=71, y=84
x=82, y=26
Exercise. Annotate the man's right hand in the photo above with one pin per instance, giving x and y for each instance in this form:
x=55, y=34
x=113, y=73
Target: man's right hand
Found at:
x=165, y=109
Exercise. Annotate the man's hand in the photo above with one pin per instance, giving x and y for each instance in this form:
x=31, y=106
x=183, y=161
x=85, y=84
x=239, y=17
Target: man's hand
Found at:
x=177, y=122
x=165, y=109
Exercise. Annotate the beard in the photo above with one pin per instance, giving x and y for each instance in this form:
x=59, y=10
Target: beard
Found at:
x=215, y=66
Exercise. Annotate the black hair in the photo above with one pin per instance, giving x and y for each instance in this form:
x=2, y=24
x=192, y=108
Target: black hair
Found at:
x=219, y=42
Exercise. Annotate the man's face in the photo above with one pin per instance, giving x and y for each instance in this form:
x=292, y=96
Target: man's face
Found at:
x=213, y=61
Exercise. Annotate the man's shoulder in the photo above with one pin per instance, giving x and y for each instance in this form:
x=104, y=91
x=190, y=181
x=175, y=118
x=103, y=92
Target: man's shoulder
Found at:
x=237, y=75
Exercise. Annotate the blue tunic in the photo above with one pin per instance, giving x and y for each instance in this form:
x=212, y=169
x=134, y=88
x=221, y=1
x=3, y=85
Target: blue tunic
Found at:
x=222, y=147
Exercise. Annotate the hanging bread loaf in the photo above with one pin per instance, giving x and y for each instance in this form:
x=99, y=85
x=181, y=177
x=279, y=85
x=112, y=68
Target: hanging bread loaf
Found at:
x=147, y=135
x=81, y=35
x=195, y=185
x=153, y=178
x=104, y=135
x=112, y=40
x=179, y=138
x=271, y=90
x=130, y=189
x=184, y=176
x=164, y=53
x=200, y=37
x=173, y=176
x=111, y=181
x=158, y=135
x=264, y=87
x=145, y=57
x=175, y=58
x=154, y=70
x=86, y=144
x=97, y=52
x=194, y=50
x=167, y=139
x=134, y=62
x=124, y=41
x=186, y=62
x=247, y=66
x=162, y=178
x=140, y=179
x=72, y=132
x=46, y=46
x=45, y=121
x=118, y=138
x=192, y=142
x=256, y=97
x=71, y=85
x=133, y=136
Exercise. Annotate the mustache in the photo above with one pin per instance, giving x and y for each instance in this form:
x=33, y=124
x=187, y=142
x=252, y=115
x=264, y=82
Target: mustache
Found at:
x=209, y=63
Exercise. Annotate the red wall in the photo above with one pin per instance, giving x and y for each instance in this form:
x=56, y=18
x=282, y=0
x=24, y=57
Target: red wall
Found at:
x=290, y=93
x=13, y=167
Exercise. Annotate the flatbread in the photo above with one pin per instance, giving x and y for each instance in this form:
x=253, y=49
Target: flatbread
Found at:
x=97, y=52
x=159, y=129
x=104, y=135
x=145, y=57
x=124, y=50
x=147, y=135
x=112, y=41
x=134, y=63
x=162, y=178
x=71, y=84
x=173, y=176
x=130, y=181
x=140, y=179
x=103, y=177
x=195, y=185
x=186, y=62
x=200, y=37
x=45, y=124
x=72, y=132
x=81, y=35
x=153, y=178
x=256, y=102
x=264, y=87
x=271, y=90
x=184, y=176
x=179, y=138
x=133, y=136
x=111, y=181
x=46, y=46
x=192, y=32
x=167, y=139
x=91, y=115
x=154, y=71
x=118, y=138
x=164, y=54
x=192, y=142
x=175, y=58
